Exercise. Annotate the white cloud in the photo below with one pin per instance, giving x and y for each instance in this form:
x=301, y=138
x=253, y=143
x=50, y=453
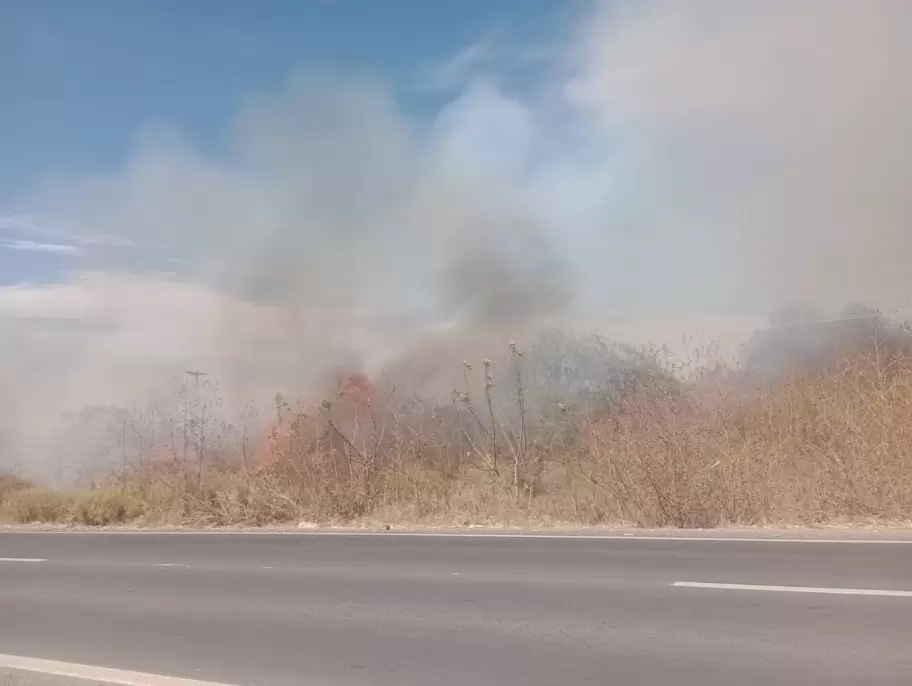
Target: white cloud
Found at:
x=54, y=229
x=466, y=65
x=34, y=246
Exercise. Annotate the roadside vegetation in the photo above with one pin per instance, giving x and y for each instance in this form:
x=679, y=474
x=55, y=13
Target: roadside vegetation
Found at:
x=571, y=431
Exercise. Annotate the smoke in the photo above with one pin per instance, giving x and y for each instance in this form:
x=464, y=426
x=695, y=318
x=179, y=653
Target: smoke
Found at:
x=336, y=233
x=769, y=141
x=701, y=161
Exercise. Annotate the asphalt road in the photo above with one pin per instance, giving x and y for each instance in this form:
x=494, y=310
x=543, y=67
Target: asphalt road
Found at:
x=283, y=610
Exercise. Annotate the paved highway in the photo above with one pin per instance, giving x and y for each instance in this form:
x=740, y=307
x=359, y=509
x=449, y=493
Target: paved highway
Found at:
x=341, y=610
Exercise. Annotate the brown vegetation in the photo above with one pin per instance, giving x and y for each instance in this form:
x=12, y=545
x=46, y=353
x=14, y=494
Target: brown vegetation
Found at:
x=527, y=445
x=10, y=484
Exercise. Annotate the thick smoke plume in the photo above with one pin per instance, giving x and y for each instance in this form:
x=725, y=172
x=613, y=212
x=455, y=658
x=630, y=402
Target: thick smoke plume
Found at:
x=684, y=165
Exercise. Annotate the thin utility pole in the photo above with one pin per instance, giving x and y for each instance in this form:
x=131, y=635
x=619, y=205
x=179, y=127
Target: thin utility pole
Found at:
x=196, y=374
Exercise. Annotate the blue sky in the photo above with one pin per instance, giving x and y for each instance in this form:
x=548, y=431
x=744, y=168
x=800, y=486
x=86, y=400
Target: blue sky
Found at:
x=81, y=78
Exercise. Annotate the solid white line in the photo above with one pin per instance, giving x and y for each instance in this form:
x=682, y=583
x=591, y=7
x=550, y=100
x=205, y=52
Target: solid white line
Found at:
x=482, y=535
x=22, y=559
x=794, y=589
x=595, y=537
x=98, y=674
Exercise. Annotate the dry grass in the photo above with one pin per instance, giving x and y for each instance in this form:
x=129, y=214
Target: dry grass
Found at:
x=11, y=484
x=826, y=445
x=93, y=508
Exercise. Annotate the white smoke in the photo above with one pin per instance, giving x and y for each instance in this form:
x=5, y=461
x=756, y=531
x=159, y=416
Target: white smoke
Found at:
x=694, y=165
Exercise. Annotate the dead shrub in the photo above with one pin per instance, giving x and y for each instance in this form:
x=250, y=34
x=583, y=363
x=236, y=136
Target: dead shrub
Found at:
x=528, y=440
x=11, y=484
x=37, y=506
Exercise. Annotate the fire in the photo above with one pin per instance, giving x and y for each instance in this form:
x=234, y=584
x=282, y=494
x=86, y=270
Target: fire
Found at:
x=356, y=390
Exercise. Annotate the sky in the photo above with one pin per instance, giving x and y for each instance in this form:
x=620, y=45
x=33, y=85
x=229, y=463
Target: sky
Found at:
x=83, y=78
x=85, y=75
x=270, y=190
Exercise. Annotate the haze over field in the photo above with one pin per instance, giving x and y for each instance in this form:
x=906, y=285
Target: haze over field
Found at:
x=647, y=169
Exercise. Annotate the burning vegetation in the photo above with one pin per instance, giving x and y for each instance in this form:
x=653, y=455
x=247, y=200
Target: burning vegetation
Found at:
x=571, y=430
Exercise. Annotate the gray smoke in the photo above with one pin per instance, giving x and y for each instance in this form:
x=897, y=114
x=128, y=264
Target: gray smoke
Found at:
x=694, y=161
x=766, y=143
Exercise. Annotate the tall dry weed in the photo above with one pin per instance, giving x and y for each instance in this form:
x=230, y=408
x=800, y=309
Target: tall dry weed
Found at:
x=576, y=432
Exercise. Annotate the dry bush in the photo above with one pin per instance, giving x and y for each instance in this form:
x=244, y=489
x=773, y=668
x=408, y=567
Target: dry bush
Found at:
x=572, y=431
x=102, y=508
x=36, y=505
x=842, y=439
x=92, y=508
x=826, y=445
x=10, y=484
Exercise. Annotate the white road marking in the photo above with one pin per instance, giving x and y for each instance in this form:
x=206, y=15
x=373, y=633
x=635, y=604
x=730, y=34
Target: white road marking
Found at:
x=482, y=535
x=23, y=559
x=590, y=537
x=98, y=674
x=173, y=564
x=793, y=589
x=493, y=535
